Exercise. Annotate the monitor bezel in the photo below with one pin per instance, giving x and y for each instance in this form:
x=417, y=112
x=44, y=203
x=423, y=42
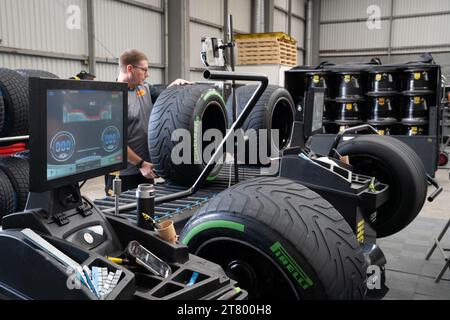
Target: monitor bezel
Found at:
x=308, y=118
x=38, y=88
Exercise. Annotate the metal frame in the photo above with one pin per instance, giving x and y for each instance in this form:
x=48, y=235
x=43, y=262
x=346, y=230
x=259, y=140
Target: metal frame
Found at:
x=91, y=37
x=437, y=244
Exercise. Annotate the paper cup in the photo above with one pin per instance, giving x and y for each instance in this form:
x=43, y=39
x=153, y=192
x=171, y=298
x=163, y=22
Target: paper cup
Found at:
x=166, y=230
x=345, y=159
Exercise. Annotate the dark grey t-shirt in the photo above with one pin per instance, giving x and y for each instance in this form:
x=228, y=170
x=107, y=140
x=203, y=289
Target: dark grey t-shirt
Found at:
x=139, y=108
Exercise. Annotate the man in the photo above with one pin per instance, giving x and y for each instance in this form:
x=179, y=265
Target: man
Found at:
x=133, y=66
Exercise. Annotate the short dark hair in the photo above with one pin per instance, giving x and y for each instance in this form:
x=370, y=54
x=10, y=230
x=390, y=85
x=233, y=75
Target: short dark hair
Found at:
x=131, y=56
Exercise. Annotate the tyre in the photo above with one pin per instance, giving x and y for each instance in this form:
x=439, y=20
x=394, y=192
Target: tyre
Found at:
x=27, y=73
x=14, y=89
x=396, y=164
x=155, y=91
x=274, y=110
x=279, y=239
x=189, y=107
x=7, y=203
x=2, y=113
x=23, y=155
x=17, y=170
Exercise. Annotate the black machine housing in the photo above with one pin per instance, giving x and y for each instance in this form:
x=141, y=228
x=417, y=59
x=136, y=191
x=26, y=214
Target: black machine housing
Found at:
x=63, y=217
x=75, y=226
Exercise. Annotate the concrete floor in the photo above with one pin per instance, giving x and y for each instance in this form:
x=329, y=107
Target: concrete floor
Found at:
x=408, y=275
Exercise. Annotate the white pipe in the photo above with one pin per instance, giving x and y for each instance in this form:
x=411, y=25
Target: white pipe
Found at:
x=258, y=16
x=308, y=44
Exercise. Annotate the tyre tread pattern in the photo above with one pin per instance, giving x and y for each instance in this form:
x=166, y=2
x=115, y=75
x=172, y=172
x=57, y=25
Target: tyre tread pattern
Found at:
x=307, y=221
x=256, y=118
x=15, y=96
x=6, y=196
x=17, y=170
x=173, y=110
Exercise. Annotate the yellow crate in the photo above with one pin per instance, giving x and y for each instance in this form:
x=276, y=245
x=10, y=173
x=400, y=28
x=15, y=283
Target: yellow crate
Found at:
x=266, y=48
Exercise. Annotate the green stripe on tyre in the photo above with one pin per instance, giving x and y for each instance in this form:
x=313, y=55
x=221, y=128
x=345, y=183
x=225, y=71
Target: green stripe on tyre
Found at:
x=212, y=224
x=213, y=93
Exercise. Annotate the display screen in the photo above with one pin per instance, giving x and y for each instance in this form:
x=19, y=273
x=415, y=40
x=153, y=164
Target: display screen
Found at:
x=84, y=131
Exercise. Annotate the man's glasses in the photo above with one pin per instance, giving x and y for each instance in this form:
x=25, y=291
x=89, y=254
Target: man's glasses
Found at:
x=140, y=68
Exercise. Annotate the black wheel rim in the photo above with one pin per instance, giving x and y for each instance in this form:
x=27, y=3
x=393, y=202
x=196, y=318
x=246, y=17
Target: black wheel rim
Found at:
x=253, y=269
x=213, y=117
x=282, y=120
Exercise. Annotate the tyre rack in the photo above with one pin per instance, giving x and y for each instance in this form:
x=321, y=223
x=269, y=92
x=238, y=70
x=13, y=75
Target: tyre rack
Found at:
x=426, y=146
x=182, y=209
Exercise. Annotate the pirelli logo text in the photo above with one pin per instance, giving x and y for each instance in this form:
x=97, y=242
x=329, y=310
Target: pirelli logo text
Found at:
x=291, y=266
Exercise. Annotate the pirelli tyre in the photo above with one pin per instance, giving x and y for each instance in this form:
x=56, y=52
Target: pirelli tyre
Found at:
x=279, y=240
x=392, y=162
x=7, y=196
x=14, y=89
x=17, y=170
x=191, y=110
x=274, y=110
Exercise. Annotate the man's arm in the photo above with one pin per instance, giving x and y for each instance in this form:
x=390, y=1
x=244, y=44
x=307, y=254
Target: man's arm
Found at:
x=146, y=168
x=180, y=82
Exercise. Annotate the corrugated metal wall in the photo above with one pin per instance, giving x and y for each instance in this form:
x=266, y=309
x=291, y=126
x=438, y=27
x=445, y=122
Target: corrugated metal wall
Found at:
x=207, y=20
x=406, y=28
x=120, y=26
x=298, y=27
x=242, y=14
x=52, y=35
x=294, y=27
x=25, y=25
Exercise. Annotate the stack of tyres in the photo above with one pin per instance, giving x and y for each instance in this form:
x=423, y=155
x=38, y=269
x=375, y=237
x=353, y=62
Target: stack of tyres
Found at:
x=416, y=100
x=14, y=121
x=14, y=102
x=319, y=79
x=349, y=99
x=14, y=184
x=382, y=99
x=14, y=109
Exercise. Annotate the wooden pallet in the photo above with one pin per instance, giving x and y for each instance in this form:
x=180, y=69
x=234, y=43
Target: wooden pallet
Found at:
x=268, y=48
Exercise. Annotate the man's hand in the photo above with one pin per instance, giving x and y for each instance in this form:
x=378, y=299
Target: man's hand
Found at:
x=147, y=170
x=180, y=82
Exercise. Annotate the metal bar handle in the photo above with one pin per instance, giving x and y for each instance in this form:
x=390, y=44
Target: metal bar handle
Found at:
x=216, y=75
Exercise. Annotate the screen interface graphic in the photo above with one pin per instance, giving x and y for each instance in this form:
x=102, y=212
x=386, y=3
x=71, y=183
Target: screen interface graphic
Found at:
x=84, y=131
